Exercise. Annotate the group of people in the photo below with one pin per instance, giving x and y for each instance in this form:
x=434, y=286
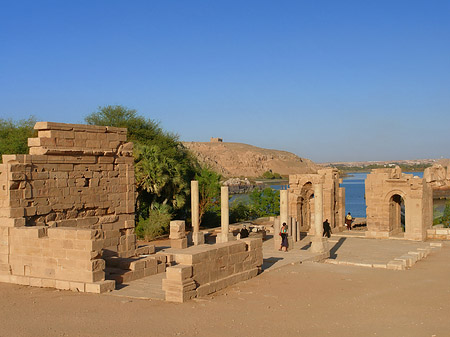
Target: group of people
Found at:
x=326, y=231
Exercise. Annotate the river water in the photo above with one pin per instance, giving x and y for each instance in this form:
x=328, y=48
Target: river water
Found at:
x=355, y=202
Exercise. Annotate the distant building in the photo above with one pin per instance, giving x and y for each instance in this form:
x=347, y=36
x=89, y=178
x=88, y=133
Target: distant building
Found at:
x=216, y=140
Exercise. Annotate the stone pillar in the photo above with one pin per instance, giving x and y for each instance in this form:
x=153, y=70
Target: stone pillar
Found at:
x=284, y=211
x=198, y=237
x=284, y=218
x=294, y=229
x=319, y=244
x=276, y=232
x=224, y=236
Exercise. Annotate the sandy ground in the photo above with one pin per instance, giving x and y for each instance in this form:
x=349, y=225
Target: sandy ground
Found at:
x=309, y=299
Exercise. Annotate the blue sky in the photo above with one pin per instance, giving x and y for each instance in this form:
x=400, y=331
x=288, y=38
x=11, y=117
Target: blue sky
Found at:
x=326, y=80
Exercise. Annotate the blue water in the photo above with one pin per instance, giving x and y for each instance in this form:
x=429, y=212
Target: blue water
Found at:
x=355, y=202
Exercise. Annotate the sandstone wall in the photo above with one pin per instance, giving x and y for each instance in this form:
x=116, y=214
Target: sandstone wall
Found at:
x=438, y=233
x=66, y=205
x=204, y=269
x=62, y=258
x=75, y=176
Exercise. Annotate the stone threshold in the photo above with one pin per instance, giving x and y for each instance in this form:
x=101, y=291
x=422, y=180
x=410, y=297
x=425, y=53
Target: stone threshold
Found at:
x=402, y=262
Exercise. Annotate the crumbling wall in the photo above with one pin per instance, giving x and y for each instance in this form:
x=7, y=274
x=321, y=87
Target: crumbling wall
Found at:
x=205, y=269
x=75, y=177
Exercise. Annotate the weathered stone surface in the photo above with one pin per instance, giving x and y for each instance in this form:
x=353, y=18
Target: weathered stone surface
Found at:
x=301, y=200
x=75, y=194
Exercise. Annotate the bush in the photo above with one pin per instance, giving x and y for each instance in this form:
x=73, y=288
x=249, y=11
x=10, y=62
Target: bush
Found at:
x=14, y=135
x=271, y=175
x=240, y=211
x=156, y=224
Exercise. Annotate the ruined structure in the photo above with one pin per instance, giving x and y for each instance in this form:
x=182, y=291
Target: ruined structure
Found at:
x=67, y=221
x=398, y=202
x=301, y=200
x=204, y=269
x=66, y=207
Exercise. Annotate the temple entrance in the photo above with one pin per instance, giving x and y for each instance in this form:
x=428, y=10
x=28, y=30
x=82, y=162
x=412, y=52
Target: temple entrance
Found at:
x=396, y=214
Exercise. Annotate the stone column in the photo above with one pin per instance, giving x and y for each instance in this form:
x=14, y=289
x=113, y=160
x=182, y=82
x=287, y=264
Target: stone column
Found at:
x=284, y=211
x=297, y=223
x=224, y=236
x=276, y=231
x=198, y=237
x=319, y=244
x=294, y=228
x=284, y=217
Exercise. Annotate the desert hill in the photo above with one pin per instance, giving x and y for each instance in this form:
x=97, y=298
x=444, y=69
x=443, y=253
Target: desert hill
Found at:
x=237, y=159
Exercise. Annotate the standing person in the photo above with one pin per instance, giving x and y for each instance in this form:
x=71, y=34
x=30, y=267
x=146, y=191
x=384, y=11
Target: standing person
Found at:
x=326, y=228
x=284, y=237
x=348, y=221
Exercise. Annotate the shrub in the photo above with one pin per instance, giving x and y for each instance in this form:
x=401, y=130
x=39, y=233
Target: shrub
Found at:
x=156, y=224
x=240, y=211
x=271, y=175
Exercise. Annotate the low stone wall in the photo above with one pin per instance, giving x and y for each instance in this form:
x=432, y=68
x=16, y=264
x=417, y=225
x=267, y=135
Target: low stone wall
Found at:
x=205, y=269
x=438, y=234
x=62, y=258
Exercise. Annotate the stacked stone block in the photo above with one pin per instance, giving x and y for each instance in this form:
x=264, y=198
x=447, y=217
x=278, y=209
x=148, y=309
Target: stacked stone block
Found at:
x=75, y=177
x=204, y=269
x=124, y=270
x=178, y=234
x=438, y=233
x=62, y=258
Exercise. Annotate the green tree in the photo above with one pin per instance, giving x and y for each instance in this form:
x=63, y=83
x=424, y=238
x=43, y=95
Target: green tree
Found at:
x=163, y=166
x=209, y=191
x=265, y=202
x=14, y=135
x=159, y=178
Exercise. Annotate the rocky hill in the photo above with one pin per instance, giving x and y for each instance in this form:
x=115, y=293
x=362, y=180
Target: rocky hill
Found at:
x=237, y=159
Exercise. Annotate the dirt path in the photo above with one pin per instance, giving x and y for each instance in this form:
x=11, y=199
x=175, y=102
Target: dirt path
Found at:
x=309, y=299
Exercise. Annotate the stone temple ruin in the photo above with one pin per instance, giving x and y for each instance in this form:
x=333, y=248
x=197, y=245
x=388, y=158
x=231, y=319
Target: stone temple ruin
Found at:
x=67, y=217
x=67, y=221
x=301, y=200
x=390, y=195
x=388, y=191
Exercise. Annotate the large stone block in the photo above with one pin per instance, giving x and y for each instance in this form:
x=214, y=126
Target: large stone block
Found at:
x=178, y=243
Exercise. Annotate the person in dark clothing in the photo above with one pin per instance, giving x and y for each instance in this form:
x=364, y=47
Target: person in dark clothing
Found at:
x=244, y=232
x=326, y=228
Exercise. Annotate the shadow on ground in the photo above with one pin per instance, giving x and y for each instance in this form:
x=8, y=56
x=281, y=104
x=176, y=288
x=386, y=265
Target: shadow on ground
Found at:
x=335, y=248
